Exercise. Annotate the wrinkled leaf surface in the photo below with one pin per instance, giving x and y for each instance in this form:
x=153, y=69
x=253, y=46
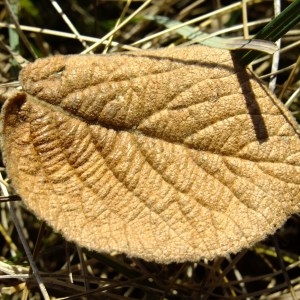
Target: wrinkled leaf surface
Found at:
x=168, y=155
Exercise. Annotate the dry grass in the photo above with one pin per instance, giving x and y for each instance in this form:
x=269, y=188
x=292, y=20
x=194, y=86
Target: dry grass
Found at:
x=270, y=270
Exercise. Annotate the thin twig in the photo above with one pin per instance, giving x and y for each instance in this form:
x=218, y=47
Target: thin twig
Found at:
x=69, y=23
x=276, y=55
x=192, y=21
x=116, y=28
x=19, y=30
x=25, y=245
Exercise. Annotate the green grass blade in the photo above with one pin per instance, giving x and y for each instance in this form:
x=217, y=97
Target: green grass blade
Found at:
x=274, y=30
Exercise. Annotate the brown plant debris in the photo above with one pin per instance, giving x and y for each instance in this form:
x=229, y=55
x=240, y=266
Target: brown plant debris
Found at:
x=169, y=155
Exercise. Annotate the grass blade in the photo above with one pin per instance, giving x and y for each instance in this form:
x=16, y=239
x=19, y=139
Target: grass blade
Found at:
x=274, y=30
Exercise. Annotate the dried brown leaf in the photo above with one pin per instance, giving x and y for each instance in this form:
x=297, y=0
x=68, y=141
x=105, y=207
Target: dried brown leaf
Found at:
x=168, y=155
